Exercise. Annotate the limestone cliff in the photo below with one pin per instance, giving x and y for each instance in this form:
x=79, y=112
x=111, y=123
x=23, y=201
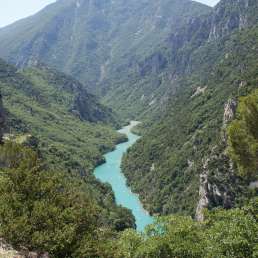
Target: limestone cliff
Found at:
x=230, y=15
x=218, y=180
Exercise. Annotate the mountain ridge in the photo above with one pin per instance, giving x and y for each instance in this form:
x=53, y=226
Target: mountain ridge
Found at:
x=68, y=20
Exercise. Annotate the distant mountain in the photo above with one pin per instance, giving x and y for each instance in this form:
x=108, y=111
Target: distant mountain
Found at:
x=144, y=86
x=102, y=43
x=128, y=51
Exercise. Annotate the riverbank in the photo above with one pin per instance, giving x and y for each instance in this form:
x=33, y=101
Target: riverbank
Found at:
x=110, y=172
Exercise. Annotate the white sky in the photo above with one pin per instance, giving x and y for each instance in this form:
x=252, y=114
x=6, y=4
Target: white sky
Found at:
x=13, y=10
x=209, y=2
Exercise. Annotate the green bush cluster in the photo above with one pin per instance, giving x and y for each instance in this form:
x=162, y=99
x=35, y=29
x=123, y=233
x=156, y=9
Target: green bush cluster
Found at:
x=243, y=137
x=45, y=210
x=42, y=210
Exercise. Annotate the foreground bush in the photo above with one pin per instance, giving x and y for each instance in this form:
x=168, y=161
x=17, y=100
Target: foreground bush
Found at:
x=42, y=210
x=225, y=234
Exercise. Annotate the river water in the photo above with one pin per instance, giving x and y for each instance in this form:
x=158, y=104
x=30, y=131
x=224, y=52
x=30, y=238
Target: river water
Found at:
x=110, y=172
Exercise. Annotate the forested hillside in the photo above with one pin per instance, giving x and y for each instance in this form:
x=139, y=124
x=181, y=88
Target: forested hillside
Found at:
x=173, y=64
x=58, y=216
x=114, y=47
x=183, y=154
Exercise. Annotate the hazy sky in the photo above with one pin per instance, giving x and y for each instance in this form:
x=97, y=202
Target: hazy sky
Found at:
x=209, y=2
x=12, y=10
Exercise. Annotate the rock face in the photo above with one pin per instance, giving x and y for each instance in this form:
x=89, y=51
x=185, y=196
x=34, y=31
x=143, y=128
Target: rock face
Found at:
x=229, y=111
x=214, y=187
x=215, y=184
x=229, y=114
x=253, y=185
x=203, y=193
x=228, y=16
x=2, y=119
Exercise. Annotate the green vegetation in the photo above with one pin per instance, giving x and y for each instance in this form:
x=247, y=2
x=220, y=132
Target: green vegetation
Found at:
x=175, y=64
x=57, y=111
x=43, y=210
x=40, y=209
x=106, y=47
x=225, y=234
x=243, y=137
x=51, y=210
x=164, y=166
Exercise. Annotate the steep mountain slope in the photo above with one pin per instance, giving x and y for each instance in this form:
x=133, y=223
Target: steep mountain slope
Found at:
x=184, y=155
x=107, y=43
x=59, y=112
x=52, y=114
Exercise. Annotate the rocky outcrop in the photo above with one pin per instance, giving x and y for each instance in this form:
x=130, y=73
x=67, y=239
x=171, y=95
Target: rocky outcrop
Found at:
x=229, y=114
x=216, y=183
x=229, y=111
x=253, y=185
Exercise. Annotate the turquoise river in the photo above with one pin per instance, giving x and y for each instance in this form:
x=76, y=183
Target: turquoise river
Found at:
x=111, y=173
